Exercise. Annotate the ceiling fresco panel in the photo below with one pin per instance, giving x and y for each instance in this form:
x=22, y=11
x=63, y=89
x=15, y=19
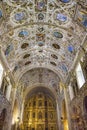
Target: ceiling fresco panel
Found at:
x=42, y=33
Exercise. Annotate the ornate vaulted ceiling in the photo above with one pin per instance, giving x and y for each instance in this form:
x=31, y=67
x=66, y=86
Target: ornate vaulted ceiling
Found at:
x=42, y=33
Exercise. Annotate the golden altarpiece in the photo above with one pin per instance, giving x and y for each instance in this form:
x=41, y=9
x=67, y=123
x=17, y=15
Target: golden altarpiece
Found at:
x=40, y=113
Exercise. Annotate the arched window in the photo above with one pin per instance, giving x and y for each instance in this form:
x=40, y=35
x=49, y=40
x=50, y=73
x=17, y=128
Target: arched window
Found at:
x=80, y=76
